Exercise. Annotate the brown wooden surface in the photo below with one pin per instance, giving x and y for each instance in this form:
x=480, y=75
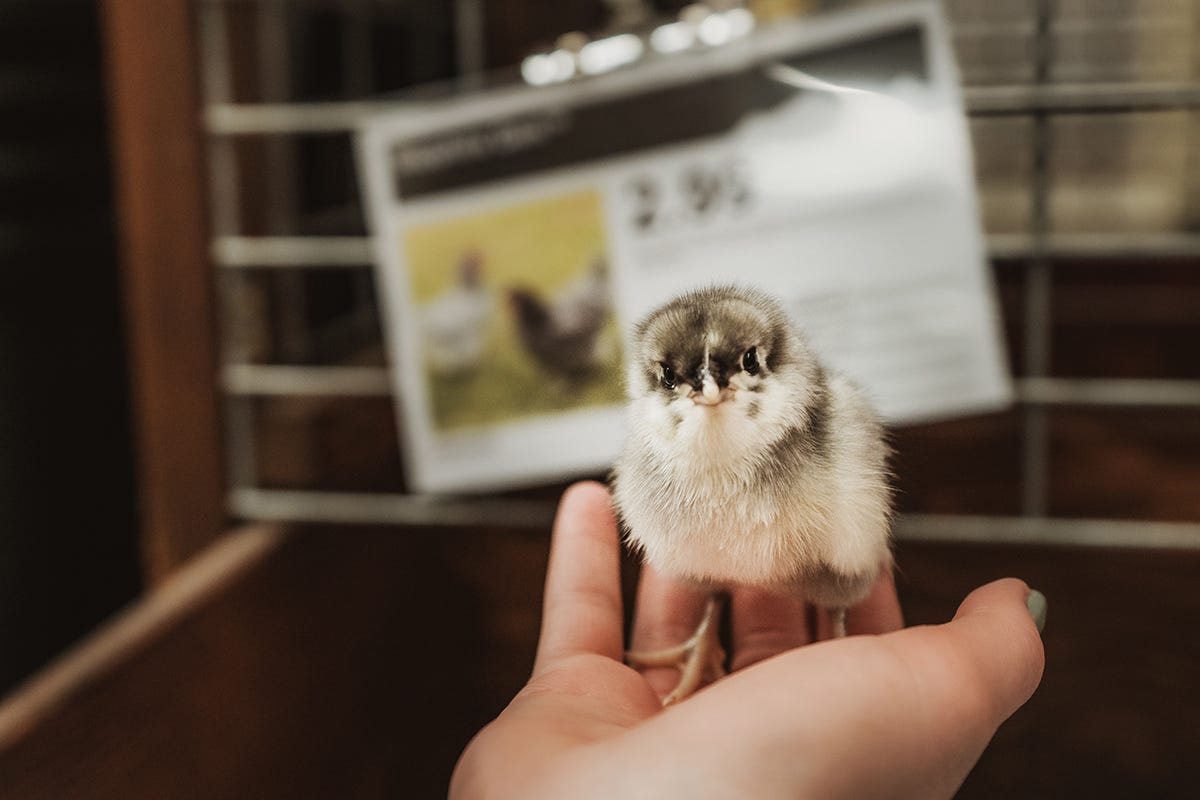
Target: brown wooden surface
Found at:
x=158, y=173
x=1115, y=716
x=356, y=663
x=347, y=664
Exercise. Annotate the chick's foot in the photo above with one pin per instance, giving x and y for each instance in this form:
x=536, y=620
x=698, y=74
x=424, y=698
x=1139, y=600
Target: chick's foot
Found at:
x=700, y=657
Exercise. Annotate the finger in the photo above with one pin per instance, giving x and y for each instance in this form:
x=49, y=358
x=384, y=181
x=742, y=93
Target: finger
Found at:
x=878, y=613
x=982, y=665
x=964, y=679
x=581, y=612
x=666, y=614
x=667, y=611
x=763, y=624
x=994, y=628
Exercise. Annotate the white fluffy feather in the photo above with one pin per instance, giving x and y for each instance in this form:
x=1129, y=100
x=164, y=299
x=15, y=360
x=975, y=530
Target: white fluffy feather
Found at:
x=722, y=495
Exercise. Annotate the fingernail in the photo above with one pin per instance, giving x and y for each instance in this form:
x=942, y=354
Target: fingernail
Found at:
x=1036, y=603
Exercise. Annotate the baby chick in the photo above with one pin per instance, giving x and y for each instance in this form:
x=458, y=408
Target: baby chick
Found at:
x=454, y=324
x=747, y=463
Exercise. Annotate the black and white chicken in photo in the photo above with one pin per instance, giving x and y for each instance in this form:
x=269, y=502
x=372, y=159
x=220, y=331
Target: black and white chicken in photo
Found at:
x=563, y=333
x=454, y=325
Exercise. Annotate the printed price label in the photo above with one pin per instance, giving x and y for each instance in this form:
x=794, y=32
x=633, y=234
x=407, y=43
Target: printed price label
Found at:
x=695, y=196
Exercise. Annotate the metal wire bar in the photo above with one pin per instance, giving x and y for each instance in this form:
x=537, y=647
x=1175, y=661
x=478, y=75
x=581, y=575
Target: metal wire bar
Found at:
x=1039, y=285
x=387, y=509
x=1049, y=531
x=1035, y=438
x=1096, y=245
x=279, y=505
x=253, y=252
x=280, y=182
x=1080, y=98
x=224, y=197
x=240, y=119
x=252, y=379
x=225, y=209
x=292, y=251
x=1108, y=392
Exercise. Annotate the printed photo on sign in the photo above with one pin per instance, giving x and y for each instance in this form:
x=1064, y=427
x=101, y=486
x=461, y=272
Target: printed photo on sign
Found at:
x=516, y=312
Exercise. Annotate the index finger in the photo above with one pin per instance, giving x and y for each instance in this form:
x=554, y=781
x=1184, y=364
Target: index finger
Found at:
x=666, y=613
x=880, y=612
x=581, y=611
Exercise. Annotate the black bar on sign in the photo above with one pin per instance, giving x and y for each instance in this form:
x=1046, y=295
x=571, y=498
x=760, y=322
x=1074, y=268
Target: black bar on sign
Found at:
x=583, y=132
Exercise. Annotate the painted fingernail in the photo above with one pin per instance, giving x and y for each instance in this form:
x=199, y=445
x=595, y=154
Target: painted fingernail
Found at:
x=1036, y=603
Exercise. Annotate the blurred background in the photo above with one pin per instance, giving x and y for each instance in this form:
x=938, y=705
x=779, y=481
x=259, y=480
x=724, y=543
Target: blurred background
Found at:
x=212, y=581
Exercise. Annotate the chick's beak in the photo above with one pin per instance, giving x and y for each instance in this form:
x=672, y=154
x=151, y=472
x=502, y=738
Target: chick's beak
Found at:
x=709, y=394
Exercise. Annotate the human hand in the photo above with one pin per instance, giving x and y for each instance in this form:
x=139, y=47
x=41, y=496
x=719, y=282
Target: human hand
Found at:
x=889, y=713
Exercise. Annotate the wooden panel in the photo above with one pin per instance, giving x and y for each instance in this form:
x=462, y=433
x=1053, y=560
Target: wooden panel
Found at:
x=356, y=663
x=168, y=284
x=1115, y=716
x=347, y=664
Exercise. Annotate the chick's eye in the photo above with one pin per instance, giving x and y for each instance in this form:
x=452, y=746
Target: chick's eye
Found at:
x=668, y=377
x=750, y=361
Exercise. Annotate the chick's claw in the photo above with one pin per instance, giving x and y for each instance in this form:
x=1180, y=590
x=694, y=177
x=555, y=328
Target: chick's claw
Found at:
x=700, y=657
x=837, y=620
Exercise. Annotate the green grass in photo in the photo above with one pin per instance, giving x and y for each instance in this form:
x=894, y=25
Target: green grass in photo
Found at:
x=541, y=246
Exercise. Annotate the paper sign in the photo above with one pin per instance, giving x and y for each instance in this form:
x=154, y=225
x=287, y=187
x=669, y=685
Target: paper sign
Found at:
x=521, y=233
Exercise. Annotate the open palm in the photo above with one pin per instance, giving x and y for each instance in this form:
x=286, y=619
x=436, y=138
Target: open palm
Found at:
x=885, y=712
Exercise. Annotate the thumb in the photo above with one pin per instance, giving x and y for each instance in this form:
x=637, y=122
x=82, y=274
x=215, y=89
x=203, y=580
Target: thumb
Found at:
x=902, y=714
x=995, y=633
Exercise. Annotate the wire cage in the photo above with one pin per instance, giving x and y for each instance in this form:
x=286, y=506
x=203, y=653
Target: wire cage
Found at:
x=1083, y=116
